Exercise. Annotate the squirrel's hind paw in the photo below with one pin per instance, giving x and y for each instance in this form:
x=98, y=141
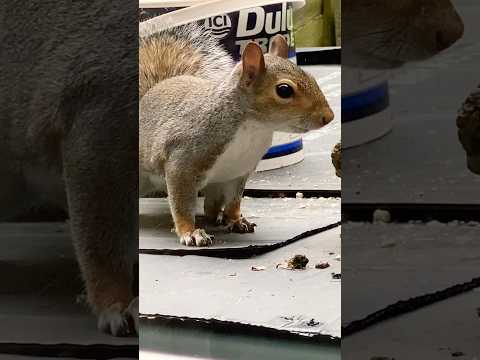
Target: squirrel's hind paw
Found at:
x=241, y=226
x=197, y=238
x=119, y=323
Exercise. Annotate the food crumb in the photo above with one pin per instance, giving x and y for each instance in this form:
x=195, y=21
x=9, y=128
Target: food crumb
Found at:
x=323, y=265
x=298, y=262
x=258, y=268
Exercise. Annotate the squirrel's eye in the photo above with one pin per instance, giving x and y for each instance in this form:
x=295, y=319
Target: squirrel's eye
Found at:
x=284, y=91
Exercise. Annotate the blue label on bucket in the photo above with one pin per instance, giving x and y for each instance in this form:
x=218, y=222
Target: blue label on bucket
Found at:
x=365, y=103
x=284, y=149
x=235, y=30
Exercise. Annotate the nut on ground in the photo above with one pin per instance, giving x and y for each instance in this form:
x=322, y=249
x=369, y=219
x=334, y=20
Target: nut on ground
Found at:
x=337, y=159
x=298, y=262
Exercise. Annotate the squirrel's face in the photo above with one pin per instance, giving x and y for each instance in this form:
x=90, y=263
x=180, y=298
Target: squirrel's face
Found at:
x=285, y=97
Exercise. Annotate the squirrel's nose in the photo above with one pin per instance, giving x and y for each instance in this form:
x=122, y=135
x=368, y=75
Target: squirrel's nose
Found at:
x=327, y=115
x=453, y=29
x=321, y=116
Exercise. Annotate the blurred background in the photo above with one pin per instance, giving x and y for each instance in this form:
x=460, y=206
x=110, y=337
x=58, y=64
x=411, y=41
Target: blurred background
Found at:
x=318, y=24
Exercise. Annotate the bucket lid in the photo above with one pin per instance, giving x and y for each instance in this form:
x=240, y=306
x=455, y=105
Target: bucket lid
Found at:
x=198, y=10
x=182, y=3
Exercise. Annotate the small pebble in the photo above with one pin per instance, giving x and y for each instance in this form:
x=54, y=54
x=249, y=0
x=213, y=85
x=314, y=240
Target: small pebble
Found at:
x=381, y=216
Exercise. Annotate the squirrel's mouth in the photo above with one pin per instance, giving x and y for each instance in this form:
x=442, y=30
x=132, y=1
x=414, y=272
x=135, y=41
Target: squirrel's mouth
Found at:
x=297, y=129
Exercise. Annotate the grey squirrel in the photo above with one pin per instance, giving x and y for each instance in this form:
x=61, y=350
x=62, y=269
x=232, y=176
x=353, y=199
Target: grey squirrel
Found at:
x=69, y=137
x=206, y=122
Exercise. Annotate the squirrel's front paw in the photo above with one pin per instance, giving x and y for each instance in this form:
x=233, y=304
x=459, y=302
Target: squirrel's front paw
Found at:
x=196, y=238
x=241, y=226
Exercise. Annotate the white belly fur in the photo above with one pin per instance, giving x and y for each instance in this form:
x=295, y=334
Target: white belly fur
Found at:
x=240, y=157
x=242, y=154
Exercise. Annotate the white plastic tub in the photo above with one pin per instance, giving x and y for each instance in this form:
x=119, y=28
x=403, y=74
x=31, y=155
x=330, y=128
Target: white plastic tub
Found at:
x=366, y=114
x=235, y=23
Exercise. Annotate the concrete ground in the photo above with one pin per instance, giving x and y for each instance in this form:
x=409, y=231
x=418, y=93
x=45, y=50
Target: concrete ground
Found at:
x=385, y=263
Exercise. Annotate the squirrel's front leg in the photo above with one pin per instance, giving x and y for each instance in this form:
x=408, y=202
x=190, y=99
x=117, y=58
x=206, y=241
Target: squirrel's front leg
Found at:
x=182, y=194
x=103, y=208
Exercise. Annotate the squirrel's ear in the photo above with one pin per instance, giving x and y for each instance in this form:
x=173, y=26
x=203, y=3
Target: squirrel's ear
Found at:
x=253, y=63
x=279, y=46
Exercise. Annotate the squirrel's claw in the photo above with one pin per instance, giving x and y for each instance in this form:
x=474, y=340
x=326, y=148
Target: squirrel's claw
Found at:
x=241, y=226
x=197, y=238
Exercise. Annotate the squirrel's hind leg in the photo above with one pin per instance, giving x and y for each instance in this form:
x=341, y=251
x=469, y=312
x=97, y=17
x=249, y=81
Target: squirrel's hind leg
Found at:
x=214, y=203
x=232, y=197
x=182, y=195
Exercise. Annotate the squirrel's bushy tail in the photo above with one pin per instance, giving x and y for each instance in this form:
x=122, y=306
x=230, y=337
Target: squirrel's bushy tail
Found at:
x=184, y=50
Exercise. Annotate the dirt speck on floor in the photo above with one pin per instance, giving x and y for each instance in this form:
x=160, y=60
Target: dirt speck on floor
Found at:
x=336, y=276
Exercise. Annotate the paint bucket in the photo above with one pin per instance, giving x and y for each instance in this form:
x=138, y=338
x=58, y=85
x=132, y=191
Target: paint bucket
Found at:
x=366, y=114
x=235, y=23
